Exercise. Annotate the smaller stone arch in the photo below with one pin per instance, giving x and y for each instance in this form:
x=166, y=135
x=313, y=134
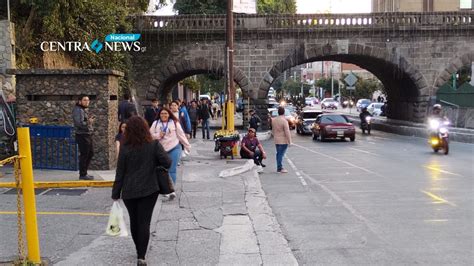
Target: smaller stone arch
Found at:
x=166, y=77
x=452, y=67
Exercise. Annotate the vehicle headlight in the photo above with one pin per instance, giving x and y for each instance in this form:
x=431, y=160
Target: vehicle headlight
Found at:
x=443, y=130
x=434, y=124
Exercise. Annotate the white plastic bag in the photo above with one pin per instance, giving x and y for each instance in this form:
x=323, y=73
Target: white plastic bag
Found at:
x=116, y=225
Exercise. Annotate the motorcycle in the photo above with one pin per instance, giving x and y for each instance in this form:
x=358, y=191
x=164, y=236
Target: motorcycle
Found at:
x=439, y=135
x=365, y=125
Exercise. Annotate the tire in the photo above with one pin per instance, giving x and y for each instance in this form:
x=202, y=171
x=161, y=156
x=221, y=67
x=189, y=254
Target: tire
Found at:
x=298, y=131
x=315, y=137
x=446, y=147
x=363, y=131
x=322, y=138
x=368, y=131
x=435, y=149
x=352, y=138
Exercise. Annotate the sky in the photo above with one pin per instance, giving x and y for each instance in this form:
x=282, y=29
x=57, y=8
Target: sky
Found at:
x=309, y=6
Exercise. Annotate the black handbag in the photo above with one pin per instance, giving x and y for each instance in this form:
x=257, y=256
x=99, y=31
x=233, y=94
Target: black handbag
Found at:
x=165, y=183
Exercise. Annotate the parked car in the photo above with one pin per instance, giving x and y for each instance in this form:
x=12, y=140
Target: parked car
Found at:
x=332, y=125
x=375, y=108
x=361, y=103
x=273, y=112
x=329, y=103
x=311, y=101
x=305, y=120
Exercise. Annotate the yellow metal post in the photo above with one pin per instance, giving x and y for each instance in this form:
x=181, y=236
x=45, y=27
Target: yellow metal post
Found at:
x=28, y=189
x=230, y=116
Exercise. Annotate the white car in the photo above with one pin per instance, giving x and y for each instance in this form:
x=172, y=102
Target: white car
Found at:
x=375, y=108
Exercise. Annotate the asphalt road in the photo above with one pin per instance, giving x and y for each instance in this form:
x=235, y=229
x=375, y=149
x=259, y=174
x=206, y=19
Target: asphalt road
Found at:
x=382, y=200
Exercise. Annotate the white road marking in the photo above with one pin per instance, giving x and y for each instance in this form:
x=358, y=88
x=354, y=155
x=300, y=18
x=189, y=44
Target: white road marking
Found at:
x=339, y=160
x=370, y=225
x=298, y=174
x=441, y=171
x=368, y=152
x=437, y=198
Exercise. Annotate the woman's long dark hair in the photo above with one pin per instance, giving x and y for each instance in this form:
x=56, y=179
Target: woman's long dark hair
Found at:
x=137, y=132
x=172, y=117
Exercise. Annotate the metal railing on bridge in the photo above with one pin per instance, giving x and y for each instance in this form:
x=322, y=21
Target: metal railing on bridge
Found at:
x=213, y=23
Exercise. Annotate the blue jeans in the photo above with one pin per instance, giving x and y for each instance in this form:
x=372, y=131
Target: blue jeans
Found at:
x=175, y=155
x=205, y=127
x=280, y=149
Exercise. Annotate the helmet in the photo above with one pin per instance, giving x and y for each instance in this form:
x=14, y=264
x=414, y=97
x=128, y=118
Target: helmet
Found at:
x=437, y=107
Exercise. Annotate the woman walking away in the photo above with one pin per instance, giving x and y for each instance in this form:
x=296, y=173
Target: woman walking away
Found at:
x=167, y=130
x=135, y=180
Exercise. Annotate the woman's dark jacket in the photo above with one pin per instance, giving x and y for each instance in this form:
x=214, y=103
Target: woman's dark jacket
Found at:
x=135, y=176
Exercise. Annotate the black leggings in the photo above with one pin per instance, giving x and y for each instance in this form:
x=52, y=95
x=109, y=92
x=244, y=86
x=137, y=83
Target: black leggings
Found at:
x=140, y=211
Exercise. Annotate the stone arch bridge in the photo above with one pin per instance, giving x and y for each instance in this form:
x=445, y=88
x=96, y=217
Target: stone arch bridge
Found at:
x=412, y=54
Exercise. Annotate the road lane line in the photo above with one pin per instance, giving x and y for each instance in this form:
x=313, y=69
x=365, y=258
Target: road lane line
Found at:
x=441, y=171
x=339, y=160
x=438, y=198
x=371, y=153
x=59, y=213
x=370, y=225
x=298, y=174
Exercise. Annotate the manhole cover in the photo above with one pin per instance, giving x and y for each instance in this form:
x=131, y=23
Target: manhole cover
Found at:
x=12, y=191
x=65, y=192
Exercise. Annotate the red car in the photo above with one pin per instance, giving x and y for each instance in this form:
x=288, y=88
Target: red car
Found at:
x=332, y=126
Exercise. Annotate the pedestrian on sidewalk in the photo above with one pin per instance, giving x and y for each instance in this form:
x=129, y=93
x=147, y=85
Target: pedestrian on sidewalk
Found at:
x=119, y=138
x=151, y=112
x=248, y=148
x=193, y=116
x=204, y=115
x=282, y=138
x=169, y=133
x=83, y=128
x=135, y=180
x=254, y=121
x=126, y=108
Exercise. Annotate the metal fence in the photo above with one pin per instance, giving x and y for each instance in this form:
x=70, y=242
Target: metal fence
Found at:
x=53, y=147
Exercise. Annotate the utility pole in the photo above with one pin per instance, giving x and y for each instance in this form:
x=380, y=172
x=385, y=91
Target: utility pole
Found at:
x=332, y=83
x=229, y=67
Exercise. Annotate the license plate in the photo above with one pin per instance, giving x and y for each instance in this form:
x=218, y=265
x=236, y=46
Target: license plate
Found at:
x=340, y=133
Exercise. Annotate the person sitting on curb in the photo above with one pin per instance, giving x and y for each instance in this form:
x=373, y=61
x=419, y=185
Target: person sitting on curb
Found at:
x=248, y=148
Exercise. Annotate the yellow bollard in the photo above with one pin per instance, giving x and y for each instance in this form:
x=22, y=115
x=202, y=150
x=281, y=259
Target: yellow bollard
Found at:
x=26, y=164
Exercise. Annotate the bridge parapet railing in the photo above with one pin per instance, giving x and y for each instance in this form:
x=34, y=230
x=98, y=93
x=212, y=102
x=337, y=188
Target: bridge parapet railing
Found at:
x=307, y=21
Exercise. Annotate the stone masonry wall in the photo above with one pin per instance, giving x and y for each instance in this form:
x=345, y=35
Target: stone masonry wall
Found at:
x=50, y=95
x=7, y=57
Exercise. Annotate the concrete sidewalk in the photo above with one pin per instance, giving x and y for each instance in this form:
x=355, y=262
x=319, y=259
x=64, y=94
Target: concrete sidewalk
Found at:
x=213, y=221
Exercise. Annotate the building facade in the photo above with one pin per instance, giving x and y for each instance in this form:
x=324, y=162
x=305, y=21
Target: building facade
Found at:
x=421, y=5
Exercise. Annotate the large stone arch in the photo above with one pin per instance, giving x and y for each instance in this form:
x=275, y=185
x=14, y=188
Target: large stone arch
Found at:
x=407, y=88
x=168, y=76
x=452, y=67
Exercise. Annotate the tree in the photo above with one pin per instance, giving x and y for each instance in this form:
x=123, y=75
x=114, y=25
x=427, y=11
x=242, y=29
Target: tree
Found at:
x=73, y=20
x=276, y=6
x=326, y=84
x=219, y=6
x=364, y=88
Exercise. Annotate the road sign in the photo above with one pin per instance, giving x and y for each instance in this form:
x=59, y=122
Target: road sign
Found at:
x=351, y=79
x=350, y=88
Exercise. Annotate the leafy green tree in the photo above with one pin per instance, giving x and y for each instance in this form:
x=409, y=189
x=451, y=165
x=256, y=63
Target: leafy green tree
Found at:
x=364, y=88
x=325, y=83
x=220, y=6
x=211, y=83
x=276, y=6
x=73, y=20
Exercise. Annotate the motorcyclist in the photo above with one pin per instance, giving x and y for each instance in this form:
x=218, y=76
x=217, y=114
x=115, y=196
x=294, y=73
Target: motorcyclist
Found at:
x=436, y=112
x=363, y=115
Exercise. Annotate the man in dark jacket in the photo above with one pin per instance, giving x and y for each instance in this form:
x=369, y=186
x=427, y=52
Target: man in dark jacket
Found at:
x=254, y=121
x=126, y=109
x=83, y=129
x=152, y=112
x=204, y=115
x=193, y=117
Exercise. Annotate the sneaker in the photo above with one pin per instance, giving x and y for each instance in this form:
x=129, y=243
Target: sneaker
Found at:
x=86, y=177
x=172, y=196
x=283, y=171
x=141, y=262
x=263, y=165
